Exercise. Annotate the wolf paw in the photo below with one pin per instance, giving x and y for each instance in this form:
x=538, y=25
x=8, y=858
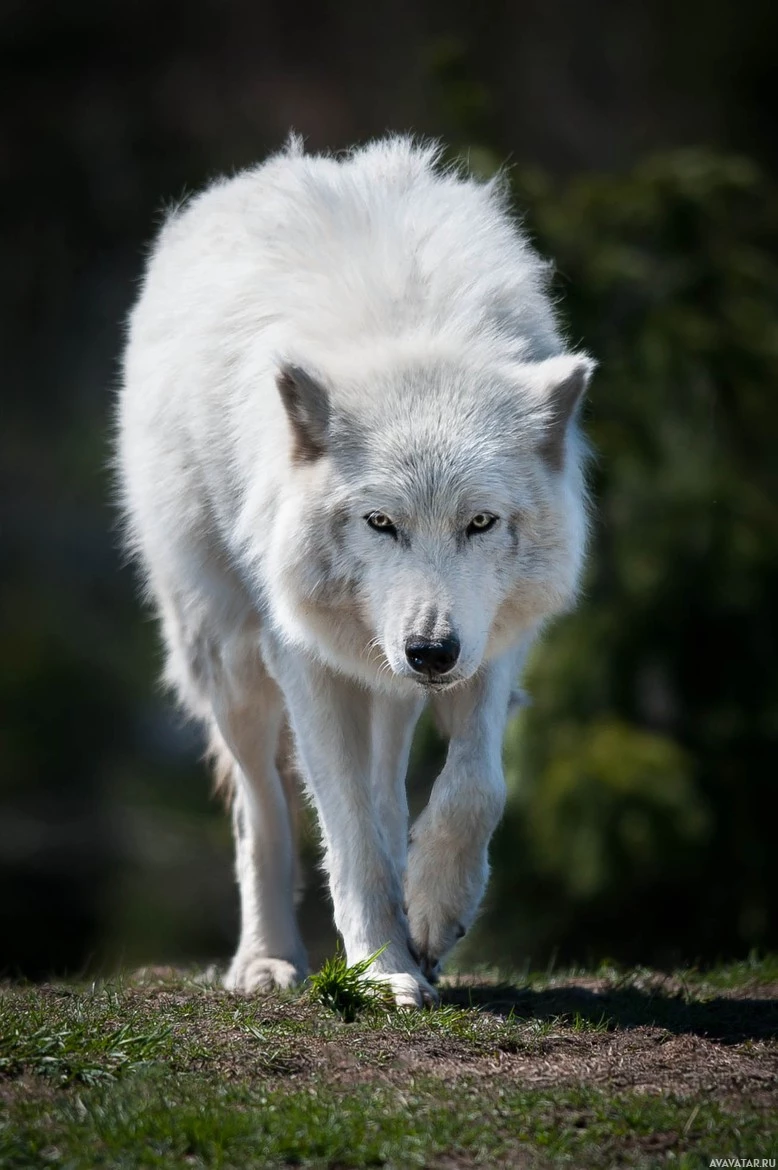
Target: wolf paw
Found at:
x=410, y=991
x=433, y=938
x=444, y=884
x=253, y=973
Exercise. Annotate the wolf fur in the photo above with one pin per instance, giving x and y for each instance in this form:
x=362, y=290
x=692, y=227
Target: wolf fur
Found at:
x=347, y=441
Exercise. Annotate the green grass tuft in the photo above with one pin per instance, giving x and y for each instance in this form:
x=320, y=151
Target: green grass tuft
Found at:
x=349, y=991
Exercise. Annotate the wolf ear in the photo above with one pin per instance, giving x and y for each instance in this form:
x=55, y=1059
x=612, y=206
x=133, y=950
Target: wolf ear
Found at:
x=558, y=385
x=308, y=410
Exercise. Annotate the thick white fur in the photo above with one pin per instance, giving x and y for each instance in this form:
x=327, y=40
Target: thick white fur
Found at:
x=409, y=295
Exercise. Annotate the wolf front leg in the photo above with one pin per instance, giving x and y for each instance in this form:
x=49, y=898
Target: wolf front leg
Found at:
x=448, y=863
x=393, y=722
x=248, y=713
x=336, y=729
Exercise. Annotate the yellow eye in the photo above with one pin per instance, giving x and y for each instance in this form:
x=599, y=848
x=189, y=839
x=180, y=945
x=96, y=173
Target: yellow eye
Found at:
x=481, y=522
x=381, y=522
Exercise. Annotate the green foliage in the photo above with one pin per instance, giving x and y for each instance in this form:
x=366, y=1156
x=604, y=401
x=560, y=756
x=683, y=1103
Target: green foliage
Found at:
x=641, y=777
x=753, y=972
x=348, y=990
x=616, y=802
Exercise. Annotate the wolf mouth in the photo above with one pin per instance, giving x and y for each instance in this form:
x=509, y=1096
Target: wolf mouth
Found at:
x=439, y=684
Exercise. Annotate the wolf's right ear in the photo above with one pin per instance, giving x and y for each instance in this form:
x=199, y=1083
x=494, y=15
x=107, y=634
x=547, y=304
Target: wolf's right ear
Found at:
x=308, y=410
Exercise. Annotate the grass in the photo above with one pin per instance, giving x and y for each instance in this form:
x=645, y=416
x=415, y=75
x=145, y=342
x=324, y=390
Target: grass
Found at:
x=152, y=1124
x=349, y=990
x=583, y=1069
x=75, y=1043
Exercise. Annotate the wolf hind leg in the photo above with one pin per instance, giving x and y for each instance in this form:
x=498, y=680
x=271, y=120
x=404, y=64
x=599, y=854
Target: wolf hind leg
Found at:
x=286, y=765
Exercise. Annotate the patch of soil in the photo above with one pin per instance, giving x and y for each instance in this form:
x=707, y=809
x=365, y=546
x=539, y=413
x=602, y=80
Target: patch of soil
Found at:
x=645, y=1060
x=648, y=1038
x=658, y=1039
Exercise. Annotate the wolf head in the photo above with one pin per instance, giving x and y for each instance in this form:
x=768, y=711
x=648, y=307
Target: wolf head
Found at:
x=437, y=513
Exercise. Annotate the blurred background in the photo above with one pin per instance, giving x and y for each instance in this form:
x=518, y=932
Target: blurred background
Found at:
x=642, y=817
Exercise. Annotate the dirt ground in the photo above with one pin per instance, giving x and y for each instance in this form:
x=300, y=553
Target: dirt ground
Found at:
x=652, y=1035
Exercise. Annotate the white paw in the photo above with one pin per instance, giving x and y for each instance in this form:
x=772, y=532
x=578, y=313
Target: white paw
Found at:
x=444, y=885
x=409, y=991
x=398, y=968
x=434, y=934
x=252, y=973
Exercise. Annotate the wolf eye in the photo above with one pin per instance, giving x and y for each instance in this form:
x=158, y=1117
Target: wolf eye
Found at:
x=481, y=522
x=381, y=522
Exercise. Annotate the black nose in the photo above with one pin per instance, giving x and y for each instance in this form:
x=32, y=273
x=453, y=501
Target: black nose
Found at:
x=432, y=657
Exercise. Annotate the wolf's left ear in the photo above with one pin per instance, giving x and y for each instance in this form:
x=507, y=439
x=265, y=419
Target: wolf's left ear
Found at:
x=308, y=410
x=558, y=385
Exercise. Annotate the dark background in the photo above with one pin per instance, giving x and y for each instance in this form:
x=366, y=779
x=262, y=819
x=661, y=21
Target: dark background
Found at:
x=642, y=817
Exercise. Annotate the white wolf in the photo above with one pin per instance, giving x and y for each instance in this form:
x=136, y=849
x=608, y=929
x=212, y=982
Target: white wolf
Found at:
x=352, y=472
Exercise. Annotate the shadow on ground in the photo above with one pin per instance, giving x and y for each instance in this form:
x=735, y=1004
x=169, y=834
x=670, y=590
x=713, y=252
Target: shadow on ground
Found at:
x=729, y=1019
